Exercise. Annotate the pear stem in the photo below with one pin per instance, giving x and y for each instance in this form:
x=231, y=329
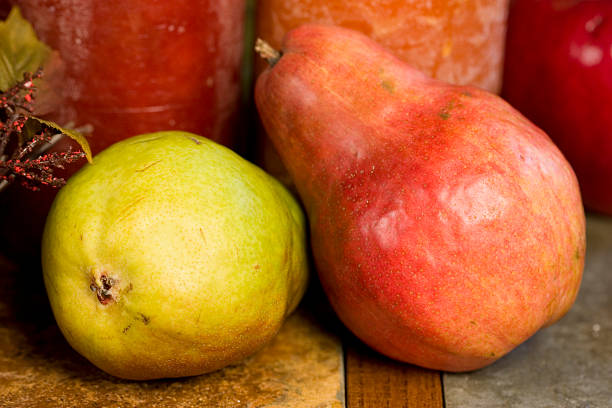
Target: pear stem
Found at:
x=267, y=52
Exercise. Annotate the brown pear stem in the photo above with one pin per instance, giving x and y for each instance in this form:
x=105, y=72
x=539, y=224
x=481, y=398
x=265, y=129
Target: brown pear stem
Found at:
x=267, y=52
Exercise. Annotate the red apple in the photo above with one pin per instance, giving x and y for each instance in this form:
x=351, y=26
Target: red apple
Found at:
x=558, y=72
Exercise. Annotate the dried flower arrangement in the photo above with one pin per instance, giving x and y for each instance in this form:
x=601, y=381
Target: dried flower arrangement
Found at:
x=25, y=139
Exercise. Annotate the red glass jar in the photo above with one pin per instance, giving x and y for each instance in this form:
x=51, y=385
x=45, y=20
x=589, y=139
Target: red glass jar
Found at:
x=128, y=67
x=134, y=66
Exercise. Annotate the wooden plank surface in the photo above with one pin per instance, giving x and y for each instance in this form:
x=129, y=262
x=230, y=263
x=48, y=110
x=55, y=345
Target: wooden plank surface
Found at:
x=566, y=365
x=302, y=367
x=374, y=381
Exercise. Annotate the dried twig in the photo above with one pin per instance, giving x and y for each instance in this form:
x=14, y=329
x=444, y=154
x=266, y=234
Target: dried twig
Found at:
x=24, y=142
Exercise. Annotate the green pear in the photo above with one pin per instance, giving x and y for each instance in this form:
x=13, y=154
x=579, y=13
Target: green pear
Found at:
x=172, y=256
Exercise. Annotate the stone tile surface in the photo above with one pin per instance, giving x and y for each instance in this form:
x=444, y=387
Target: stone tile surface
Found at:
x=567, y=365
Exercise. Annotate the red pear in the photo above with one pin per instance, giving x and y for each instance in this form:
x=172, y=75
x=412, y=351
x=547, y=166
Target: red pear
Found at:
x=445, y=227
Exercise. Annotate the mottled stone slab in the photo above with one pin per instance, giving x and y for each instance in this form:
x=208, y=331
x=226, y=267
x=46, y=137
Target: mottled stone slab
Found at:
x=566, y=365
x=302, y=367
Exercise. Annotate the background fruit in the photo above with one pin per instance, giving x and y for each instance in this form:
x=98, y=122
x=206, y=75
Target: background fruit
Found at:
x=558, y=72
x=172, y=256
x=446, y=228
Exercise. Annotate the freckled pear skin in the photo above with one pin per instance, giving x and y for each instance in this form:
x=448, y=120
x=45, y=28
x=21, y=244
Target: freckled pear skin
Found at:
x=446, y=228
x=171, y=256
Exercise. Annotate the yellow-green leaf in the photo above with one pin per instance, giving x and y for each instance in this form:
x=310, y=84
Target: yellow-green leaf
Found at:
x=20, y=49
x=73, y=134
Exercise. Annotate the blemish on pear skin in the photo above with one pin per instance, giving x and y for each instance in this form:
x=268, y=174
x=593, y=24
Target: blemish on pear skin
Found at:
x=444, y=115
x=126, y=328
x=148, y=166
x=388, y=85
x=127, y=211
x=445, y=112
x=148, y=140
x=102, y=287
x=144, y=318
x=196, y=141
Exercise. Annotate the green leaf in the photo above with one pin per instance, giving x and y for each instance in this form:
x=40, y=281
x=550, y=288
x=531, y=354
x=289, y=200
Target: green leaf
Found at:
x=20, y=49
x=73, y=134
x=31, y=129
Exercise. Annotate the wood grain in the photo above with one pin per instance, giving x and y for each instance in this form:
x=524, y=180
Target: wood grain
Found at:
x=374, y=381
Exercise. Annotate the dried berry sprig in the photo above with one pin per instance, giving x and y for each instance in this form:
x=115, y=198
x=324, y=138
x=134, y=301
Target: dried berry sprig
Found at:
x=24, y=140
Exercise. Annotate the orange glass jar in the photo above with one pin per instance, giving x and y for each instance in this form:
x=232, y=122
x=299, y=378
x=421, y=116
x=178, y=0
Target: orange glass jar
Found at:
x=458, y=41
